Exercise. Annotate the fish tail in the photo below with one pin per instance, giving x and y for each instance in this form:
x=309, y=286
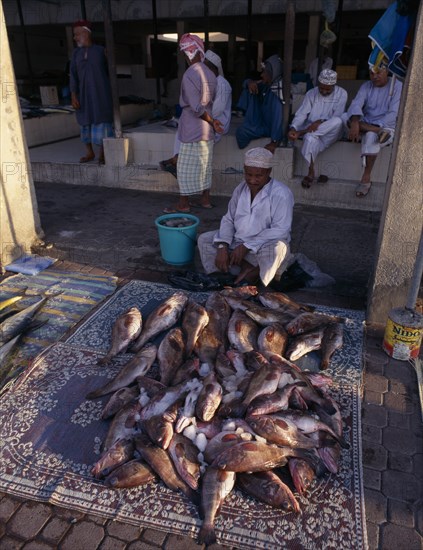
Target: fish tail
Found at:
x=93, y=395
x=207, y=534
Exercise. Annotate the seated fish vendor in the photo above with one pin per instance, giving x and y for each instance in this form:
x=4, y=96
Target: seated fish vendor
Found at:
x=253, y=239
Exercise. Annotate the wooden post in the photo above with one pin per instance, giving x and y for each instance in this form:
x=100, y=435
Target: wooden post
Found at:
x=110, y=48
x=287, y=62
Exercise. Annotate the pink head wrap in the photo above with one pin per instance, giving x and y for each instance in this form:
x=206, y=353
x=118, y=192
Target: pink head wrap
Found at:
x=190, y=44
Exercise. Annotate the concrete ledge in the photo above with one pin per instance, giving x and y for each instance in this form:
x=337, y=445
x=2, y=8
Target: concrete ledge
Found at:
x=56, y=126
x=343, y=161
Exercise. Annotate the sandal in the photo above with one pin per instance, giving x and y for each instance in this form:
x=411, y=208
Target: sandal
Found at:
x=362, y=189
x=322, y=179
x=82, y=160
x=307, y=182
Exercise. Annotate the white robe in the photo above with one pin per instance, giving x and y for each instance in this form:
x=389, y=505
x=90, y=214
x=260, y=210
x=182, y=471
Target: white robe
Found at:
x=263, y=226
x=315, y=107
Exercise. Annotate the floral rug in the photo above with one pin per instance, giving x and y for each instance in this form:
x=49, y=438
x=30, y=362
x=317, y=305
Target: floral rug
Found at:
x=50, y=436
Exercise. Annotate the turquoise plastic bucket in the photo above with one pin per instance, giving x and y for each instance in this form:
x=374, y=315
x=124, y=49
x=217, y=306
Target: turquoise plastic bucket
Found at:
x=177, y=244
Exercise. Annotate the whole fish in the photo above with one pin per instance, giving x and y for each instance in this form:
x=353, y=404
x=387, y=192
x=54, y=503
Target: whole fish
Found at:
x=125, y=330
x=186, y=416
x=184, y=454
x=160, y=428
x=270, y=403
x=16, y=324
x=320, y=380
x=149, y=386
x=237, y=360
x=211, y=340
x=329, y=412
x=304, y=343
x=216, y=486
x=233, y=408
x=161, y=463
x=223, y=440
x=131, y=474
x=170, y=354
x=267, y=487
x=264, y=381
x=238, y=303
x=119, y=453
x=163, y=317
x=118, y=400
x=7, y=302
x=264, y=316
x=308, y=424
x=6, y=349
x=254, y=456
x=218, y=304
x=240, y=291
x=122, y=425
x=194, y=319
x=139, y=365
x=163, y=399
x=223, y=366
x=273, y=339
x=302, y=474
x=209, y=399
x=333, y=339
x=330, y=452
x=306, y=322
x=281, y=432
x=189, y=369
x=242, y=332
x=279, y=300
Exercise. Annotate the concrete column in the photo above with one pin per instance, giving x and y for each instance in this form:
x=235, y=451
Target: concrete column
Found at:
x=19, y=219
x=313, y=39
x=402, y=216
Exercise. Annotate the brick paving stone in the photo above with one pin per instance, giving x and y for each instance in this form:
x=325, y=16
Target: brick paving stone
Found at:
x=178, y=542
x=374, y=416
x=372, y=535
x=419, y=517
x=399, y=373
x=374, y=366
x=85, y=535
x=395, y=537
x=55, y=529
x=2, y=530
x=398, y=403
x=372, y=479
x=372, y=398
x=10, y=543
x=98, y=520
x=401, y=486
x=110, y=543
x=29, y=519
x=7, y=508
x=399, y=420
x=154, y=537
x=400, y=513
x=371, y=433
x=37, y=545
x=374, y=456
x=418, y=466
x=376, y=383
x=376, y=506
x=401, y=441
x=140, y=545
x=67, y=513
x=400, y=462
x=123, y=531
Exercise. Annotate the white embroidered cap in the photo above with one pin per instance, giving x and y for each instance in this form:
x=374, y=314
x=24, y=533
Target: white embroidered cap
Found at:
x=328, y=77
x=259, y=157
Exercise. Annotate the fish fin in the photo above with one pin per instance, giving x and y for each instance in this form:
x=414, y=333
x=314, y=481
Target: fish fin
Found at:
x=207, y=535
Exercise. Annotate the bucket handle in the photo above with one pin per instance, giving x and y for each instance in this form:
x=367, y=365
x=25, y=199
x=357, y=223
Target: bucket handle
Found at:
x=188, y=237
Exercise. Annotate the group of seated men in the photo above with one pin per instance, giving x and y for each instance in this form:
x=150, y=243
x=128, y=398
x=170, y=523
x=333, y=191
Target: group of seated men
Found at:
x=322, y=118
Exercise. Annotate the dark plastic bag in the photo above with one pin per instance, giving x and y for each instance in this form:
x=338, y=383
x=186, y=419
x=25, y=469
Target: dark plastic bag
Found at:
x=292, y=278
x=200, y=282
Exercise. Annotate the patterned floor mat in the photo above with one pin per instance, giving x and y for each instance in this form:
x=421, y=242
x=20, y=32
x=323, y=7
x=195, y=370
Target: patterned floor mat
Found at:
x=51, y=435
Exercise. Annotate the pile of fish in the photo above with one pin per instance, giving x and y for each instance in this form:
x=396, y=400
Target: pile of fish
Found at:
x=14, y=323
x=228, y=406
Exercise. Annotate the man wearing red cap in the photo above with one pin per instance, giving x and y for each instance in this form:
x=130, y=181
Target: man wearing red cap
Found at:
x=90, y=91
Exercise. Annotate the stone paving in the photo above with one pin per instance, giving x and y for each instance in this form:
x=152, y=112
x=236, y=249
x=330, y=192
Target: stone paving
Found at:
x=392, y=458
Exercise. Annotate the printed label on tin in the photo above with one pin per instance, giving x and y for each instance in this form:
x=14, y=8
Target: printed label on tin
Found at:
x=402, y=342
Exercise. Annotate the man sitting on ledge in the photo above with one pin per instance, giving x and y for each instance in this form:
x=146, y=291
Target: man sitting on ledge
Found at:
x=253, y=239
x=262, y=102
x=318, y=121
